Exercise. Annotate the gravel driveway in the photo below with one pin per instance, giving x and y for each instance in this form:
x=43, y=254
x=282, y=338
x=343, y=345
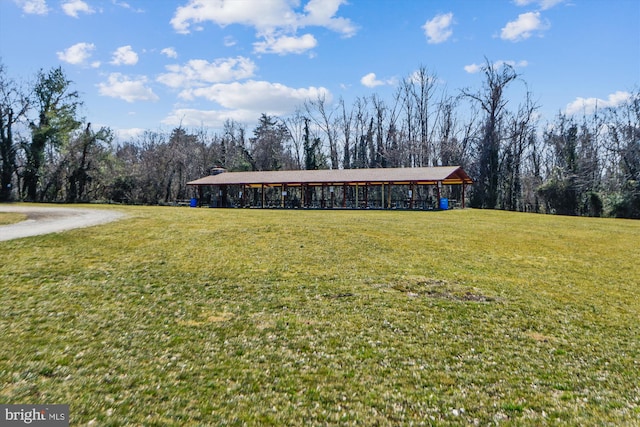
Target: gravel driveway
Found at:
x=45, y=220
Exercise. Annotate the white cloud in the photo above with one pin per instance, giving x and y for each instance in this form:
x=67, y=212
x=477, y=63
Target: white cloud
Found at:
x=208, y=118
x=198, y=72
x=126, y=5
x=72, y=7
x=261, y=14
x=371, y=80
x=33, y=7
x=264, y=15
x=77, y=54
x=589, y=105
x=244, y=103
x=257, y=96
x=129, y=134
x=519, y=64
x=321, y=13
x=543, y=4
x=286, y=44
x=128, y=89
x=124, y=55
x=275, y=21
x=418, y=76
x=169, y=52
x=476, y=68
x=438, y=29
x=473, y=68
x=523, y=27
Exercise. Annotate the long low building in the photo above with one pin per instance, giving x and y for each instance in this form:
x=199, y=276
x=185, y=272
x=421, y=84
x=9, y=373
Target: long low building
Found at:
x=385, y=188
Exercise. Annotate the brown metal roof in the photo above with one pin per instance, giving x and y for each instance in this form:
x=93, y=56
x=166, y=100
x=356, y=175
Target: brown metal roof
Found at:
x=430, y=175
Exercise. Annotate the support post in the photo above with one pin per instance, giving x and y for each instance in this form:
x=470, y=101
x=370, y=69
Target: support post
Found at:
x=411, y=195
x=464, y=186
x=332, y=192
x=262, y=205
x=357, y=206
x=344, y=195
x=366, y=196
x=283, y=193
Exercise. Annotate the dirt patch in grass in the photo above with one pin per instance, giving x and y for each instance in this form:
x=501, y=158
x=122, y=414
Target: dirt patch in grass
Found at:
x=340, y=295
x=207, y=318
x=439, y=289
x=536, y=336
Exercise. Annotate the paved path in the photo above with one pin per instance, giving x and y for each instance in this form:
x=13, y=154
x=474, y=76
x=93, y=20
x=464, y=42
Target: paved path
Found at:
x=45, y=220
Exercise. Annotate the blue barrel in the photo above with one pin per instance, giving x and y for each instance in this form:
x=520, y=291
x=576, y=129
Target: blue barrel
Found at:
x=444, y=204
x=194, y=202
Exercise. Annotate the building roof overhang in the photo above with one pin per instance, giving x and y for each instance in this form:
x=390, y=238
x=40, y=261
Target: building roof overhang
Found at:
x=448, y=175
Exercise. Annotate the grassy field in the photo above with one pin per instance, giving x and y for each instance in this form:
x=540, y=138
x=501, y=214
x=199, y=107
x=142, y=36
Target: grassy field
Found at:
x=11, y=217
x=178, y=316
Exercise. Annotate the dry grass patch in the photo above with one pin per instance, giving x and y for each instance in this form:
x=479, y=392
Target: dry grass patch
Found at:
x=416, y=286
x=7, y=218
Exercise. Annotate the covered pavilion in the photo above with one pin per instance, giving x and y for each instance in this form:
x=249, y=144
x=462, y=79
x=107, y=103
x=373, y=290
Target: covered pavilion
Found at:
x=383, y=188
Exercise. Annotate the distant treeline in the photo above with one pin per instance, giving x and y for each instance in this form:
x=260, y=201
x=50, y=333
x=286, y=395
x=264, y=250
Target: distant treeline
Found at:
x=587, y=165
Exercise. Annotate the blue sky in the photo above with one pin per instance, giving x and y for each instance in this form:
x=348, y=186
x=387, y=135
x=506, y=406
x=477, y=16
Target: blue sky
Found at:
x=156, y=64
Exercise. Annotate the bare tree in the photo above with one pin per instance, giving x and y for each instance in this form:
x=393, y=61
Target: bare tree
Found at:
x=448, y=152
x=492, y=100
x=520, y=136
x=378, y=154
x=623, y=146
x=298, y=128
x=154, y=161
x=408, y=107
x=345, y=125
x=393, y=138
x=362, y=134
x=422, y=89
x=323, y=118
x=572, y=184
x=13, y=108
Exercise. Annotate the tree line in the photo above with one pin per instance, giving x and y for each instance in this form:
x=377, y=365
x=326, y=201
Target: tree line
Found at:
x=588, y=165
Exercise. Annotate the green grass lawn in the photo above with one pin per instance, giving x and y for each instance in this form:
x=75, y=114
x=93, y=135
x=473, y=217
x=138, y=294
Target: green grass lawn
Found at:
x=178, y=316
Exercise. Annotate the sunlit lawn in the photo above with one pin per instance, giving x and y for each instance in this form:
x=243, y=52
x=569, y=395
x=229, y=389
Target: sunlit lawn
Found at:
x=179, y=316
x=11, y=217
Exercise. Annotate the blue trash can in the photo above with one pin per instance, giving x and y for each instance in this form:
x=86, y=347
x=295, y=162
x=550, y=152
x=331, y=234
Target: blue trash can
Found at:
x=194, y=202
x=444, y=204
